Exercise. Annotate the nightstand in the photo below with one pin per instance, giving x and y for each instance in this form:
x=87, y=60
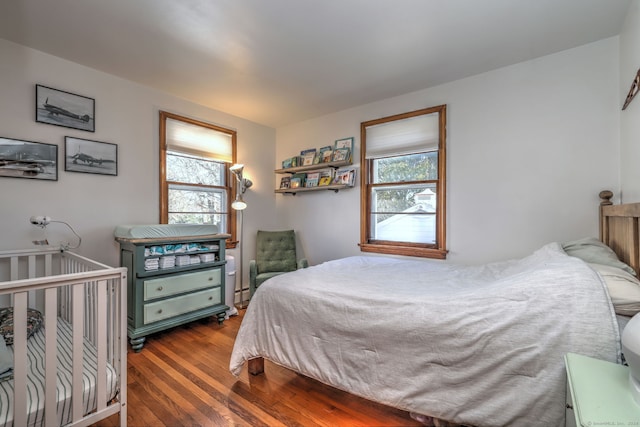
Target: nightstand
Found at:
x=598, y=393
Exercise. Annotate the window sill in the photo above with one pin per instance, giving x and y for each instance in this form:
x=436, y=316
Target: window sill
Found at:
x=413, y=251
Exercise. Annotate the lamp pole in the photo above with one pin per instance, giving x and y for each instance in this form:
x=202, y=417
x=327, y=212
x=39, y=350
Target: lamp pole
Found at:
x=240, y=205
x=241, y=251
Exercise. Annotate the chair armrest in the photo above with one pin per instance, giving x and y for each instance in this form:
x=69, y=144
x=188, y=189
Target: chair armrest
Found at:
x=253, y=272
x=302, y=263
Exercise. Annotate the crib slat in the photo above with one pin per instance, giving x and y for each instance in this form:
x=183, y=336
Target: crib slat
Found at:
x=48, y=265
x=51, y=355
x=78, y=346
x=14, y=268
x=32, y=266
x=121, y=339
x=101, y=343
x=32, y=275
x=20, y=363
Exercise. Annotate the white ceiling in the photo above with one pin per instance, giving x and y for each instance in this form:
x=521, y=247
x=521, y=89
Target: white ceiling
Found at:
x=277, y=62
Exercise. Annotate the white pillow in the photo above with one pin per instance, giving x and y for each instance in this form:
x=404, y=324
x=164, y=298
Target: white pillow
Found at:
x=592, y=250
x=624, y=289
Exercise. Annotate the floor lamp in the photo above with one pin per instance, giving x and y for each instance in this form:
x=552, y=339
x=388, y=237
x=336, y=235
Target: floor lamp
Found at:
x=240, y=205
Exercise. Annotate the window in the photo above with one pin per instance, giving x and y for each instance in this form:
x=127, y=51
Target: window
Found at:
x=403, y=184
x=194, y=162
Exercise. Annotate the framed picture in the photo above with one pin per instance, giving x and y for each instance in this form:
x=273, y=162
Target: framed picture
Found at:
x=344, y=143
x=27, y=159
x=83, y=155
x=56, y=107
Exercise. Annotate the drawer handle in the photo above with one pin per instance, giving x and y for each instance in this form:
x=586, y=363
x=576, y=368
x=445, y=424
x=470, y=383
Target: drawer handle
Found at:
x=160, y=311
x=210, y=298
x=159, y=288
x=210, y=279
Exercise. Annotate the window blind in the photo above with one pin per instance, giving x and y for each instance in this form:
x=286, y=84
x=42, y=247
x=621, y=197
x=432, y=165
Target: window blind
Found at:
x=412, y=135
x=198, y=141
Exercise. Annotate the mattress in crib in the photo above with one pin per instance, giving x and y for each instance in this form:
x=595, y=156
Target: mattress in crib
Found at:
x=35, y=380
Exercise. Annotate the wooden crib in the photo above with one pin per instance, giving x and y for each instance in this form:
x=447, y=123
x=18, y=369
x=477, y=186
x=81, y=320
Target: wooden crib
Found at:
x=73, y=370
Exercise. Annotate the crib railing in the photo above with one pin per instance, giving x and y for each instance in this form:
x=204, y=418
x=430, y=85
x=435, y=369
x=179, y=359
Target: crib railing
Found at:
x=88, y=295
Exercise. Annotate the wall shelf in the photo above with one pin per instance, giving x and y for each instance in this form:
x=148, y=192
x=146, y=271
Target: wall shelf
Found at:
x=334, y=187
x=313, y=168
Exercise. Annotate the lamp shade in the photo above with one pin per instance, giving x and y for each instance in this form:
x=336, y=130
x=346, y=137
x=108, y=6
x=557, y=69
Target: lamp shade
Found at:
x=631, y=351
x=237, y=170
x=239, y=204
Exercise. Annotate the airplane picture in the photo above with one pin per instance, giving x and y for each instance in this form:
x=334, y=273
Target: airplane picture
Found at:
x=55, y=110
x=60, y=108
x=25, y=167
x=26, y=159
x=87, y=159
x=84, y=155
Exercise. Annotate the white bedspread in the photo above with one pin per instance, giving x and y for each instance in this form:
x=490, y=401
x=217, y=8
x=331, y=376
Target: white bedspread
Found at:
x=481, y=346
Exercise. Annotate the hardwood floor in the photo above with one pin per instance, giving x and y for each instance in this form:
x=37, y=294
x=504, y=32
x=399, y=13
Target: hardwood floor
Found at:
x=181, y=378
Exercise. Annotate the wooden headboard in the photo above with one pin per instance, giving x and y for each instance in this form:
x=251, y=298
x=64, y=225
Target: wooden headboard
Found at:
x=619, y=229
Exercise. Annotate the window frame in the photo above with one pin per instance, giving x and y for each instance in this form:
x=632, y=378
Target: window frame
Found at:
x=230, y=184
x=424, y=250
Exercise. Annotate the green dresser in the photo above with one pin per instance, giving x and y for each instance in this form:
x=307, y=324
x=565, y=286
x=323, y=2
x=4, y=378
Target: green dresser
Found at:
x=172, y=281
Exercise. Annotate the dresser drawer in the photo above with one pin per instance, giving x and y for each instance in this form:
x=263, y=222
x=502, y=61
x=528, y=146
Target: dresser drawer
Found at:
x=172, y=307
x=177, y=284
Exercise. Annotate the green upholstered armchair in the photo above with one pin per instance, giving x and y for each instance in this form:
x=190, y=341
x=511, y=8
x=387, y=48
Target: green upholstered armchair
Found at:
x=275, y=254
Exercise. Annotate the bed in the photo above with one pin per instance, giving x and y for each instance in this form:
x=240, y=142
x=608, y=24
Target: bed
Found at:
x=453, y=345
x=63, y=356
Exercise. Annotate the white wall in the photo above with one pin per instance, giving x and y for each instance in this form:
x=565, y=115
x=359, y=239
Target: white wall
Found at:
x=630, y=117
x=127, y=115
x=529, y=148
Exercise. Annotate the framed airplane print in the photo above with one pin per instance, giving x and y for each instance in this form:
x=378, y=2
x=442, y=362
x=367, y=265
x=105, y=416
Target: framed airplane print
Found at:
x=83, y=155
x=27, y=159
x=59, y=108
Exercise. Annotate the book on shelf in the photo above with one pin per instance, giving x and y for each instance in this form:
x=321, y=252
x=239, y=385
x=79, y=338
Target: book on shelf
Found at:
x=285, y=182
x=298, y=179
x=341, y=154
x=317, y=159
x=325, y=180
x=326, y=177
x=291, y=162
x=344, y=143
x=324, y=154
x=345, y=177
x=307, y=156
x=312, y=179
x=327, y=155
